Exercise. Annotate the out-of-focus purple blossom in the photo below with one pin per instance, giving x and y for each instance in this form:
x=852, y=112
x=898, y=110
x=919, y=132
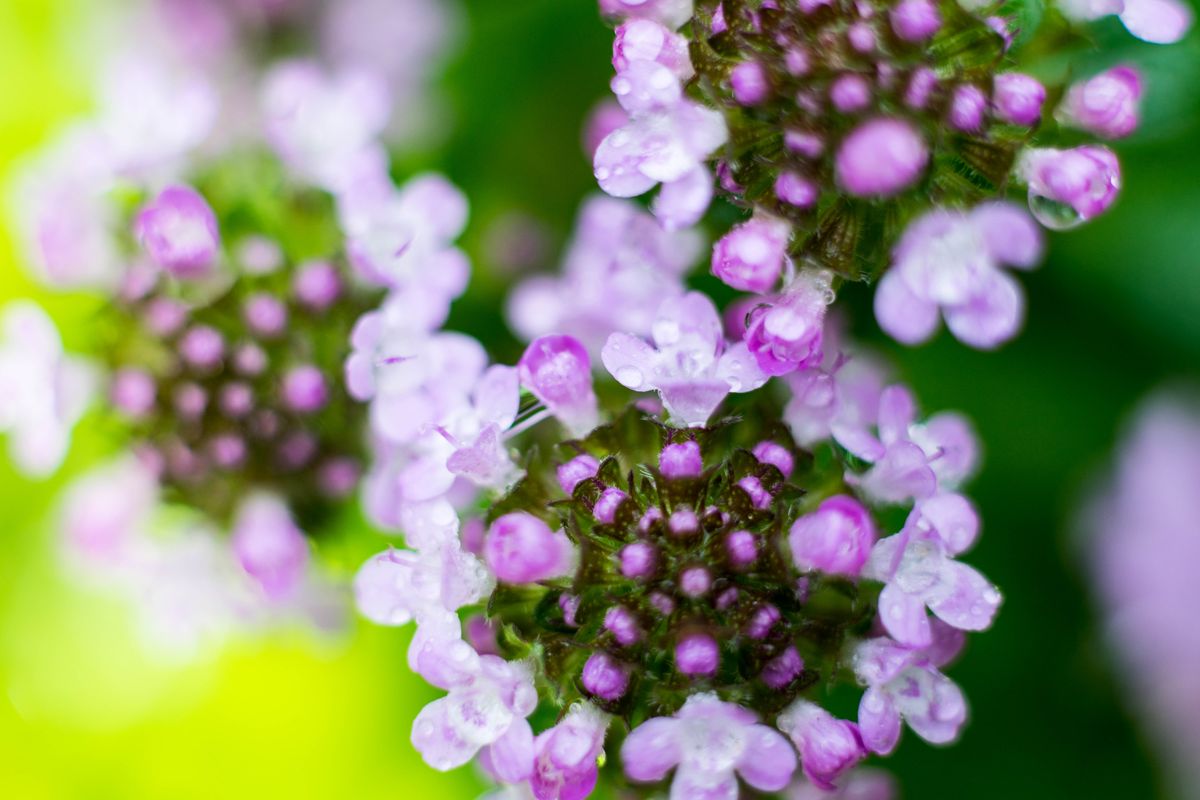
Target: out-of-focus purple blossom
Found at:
x=269, y=546
x=559, y=373
x=179, y=232
x=1143, y=528
x=43, y=390
x=785, y=333
x=565, y=755
x=619, y=268
x=689, y=364
x=836, y=538
x=708, y=743
x=950, y=261
x=858, y=784
x=1018, y=98
x=881, y=157
x=1107, y=104
x=1154, y=21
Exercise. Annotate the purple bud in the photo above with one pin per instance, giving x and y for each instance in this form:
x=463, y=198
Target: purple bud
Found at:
x=236, y=400
x=850, y=93
x=915, y=20
x=836, y=538
x=133, y=392
x=520, y=548
x=683, y=522
x=759, y=495
x=297, y=450
x=750, y=83
x=1018, y=98
x=569, y=605
x=806, y=143
x=202, y=347
x=653, y=514
x=317, y=285
x=165, y=316
x=558, y=371
x=681, y=460
x=269, y=546
x=481, y=636
x=577, y=470
x=881, y=157
x=695, y=581
x=637, y=560
x=742, y=548
x=1086, y=179
x=727, y=599
x=967, y=108
x=764, y=619
x=179, y=231
x=190, y=401
x=622, y=625
x=751, y=256
x=227, y=451
x=920, y=87
x=338, y=477
x=259, y=255
x=776, y=455
x=827, y=746
x=304, y=389
x=797, y=62
x=265, y=315
x=783, y=669
x=697, y=654
x=796, y=190
x=249, y=360
x=861, y=37
x=264, y=424
x=663, y=603
x=606, y=506
x=1107, y=104
x=604, y=677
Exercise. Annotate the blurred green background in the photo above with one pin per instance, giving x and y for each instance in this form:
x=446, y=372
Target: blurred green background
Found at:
x=85, y=712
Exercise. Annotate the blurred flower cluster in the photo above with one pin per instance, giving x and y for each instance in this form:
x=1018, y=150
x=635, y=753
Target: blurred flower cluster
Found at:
x=673, y=547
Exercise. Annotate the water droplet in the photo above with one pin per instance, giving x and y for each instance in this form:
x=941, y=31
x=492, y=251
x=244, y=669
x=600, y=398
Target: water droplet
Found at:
x=1054, y=215
x=629, y=376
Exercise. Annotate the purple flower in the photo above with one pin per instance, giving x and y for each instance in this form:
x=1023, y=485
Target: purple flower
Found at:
x=565, y=756
x=858, y=784
x=520, y=548
x=1018, y=98
x=605, y=677
x=950, y=261
x=904, y=684
x=179, y=232
x=785, y=335
x=396, y=587
x=827, y=746
x=681, y=460
x=43, y=391
x=642, y=39
x=915, y=20
x=488, y=701
x=689, y=364
x=835, y=538
x=751, y=256
x=269, y=546
x=1106, y=104
x=1069, y=187
x=1155, y=21
x=918, y=567
x=881, y=157
x=559, y=373
x=106, y=512
x=709, y=743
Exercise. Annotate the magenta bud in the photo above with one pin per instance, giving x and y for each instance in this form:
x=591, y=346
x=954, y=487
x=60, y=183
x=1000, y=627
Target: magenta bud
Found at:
x=920, y=87
x=265, y=315
x=558, y=371
x=304, y=389
x=751, y=256
x=577, y=470
x=653, y=514
x=317, y=285
x=697, y=654
x=638, y=560
x=521, y=548
x=850, y=93
x=915, y=20
x=759, y=495
x=133, y=391
x=1018, y=98
x=805, y=143
x=297, y=450
x=604, y=677
x=682, y=460
x=249, y=360
x=622, y=625
x=742, y=548
x=569, y=605
x=695, y=581
x=662, y=603
x=796, y=190
x=836, y=538
x=776, y=455
x=164, y=316
x=202, y=347
x=861, y=37
x=764, y=619
x=179, y=232
x=190, y=401
x=236, y=399
x=227, y=451
x=967, y=108
x=606, y=507
x=683, y=522
x=881, y=157
x=750, y=84
x=783, y=669
x=1106, y=104
x=338, y=477
x=481, y=636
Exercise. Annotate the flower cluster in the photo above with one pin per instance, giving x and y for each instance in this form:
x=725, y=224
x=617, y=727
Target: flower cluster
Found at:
x=857, y=130
x=1142, y=535
x=237, y=215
